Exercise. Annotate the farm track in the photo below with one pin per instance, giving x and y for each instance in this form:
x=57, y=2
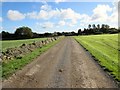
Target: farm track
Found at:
x=66, y=65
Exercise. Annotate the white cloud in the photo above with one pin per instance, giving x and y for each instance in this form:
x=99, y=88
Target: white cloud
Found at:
x=71, y=18
x=45, y=25
x=100, y=13
x=1, y=28
x=85, y=18
x=61, y=23
x=32, y=15
x=63, y=14
x=1, y=19
x=48, y=25
x=69, y=14
x=46, y=7
x=15, y=15
x=42, y=15
x=70, y=24
x=113, y=17
x=54, y=13
x=58, y=1
x=45, y=13
x=38, y=15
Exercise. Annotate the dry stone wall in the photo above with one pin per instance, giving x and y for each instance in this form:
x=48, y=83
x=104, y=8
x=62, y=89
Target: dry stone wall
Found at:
x=19, y=52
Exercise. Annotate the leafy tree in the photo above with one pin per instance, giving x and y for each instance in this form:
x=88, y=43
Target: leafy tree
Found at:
x=119, y=29
x=86, y=31
x=5, y=34
x=103, y=26
x=102, y=29
x=94, y=29
x=59, y=34
x=98, y=26
x=79, y=32
x=93, y=26
x=107, y=27
x=26, y=32
x=89, y=26
x=47, y=34
x=73, y=33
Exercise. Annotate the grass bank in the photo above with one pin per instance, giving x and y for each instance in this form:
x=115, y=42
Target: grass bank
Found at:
x=105, y=50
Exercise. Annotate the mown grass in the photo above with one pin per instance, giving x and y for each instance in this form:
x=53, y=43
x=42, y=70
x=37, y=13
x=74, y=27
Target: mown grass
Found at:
x=105, y=49
x=16, y=43
x=10, y=67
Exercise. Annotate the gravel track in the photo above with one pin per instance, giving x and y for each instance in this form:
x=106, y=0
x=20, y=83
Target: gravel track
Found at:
x=65, y=65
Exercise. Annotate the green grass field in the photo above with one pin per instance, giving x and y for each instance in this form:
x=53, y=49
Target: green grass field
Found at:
x=13, y=65
x=16, y=43
x=104, y=48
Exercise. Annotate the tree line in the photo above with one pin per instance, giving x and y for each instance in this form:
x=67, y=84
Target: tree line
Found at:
x=23, y=33
x=26, y=32
x=98, y=29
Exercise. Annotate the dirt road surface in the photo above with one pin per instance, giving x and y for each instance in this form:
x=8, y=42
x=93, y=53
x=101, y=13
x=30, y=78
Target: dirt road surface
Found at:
x=66, y=65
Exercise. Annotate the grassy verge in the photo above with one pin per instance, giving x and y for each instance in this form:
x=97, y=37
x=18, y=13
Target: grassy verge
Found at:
x=105, y=50
x=10, y=67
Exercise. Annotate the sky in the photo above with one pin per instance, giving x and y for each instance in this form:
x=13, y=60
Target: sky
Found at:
x=56, y=16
